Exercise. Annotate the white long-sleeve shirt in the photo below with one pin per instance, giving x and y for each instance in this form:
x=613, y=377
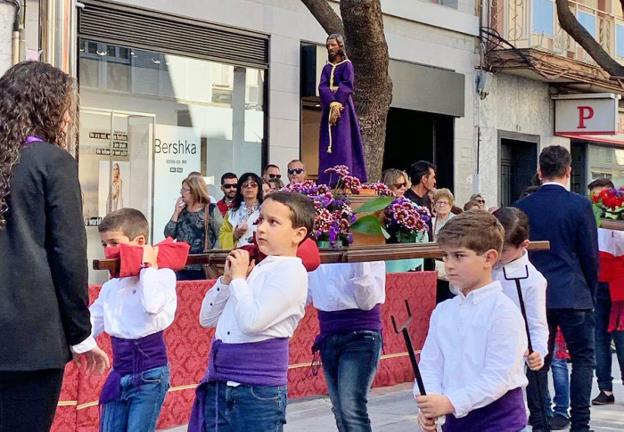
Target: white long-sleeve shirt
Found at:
x=335, y=287
x=533, y=294
x=474, y=351
x=135, y=307
x=268, y=304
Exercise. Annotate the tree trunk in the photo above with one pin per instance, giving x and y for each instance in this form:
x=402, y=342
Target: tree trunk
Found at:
x=368, y=50
x=571, y=25
x=325, y=15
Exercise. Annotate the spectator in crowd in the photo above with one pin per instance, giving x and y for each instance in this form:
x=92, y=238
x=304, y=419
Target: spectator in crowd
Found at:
x=276, y=184
x=423, y=178
x=571, y=269
x=296, y=171
x=194, y=221
x=471, y=205
x=602, y=314
x=44, y=315
x=479, y=199
x=443, y=200
x=240, y=221
x=270, y=172
x=266, y=187
x=396, y=180
x=442, y=203
x=228, y=186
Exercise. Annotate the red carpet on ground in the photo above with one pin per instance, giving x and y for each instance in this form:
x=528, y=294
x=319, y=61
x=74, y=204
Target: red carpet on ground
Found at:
x=188, y=345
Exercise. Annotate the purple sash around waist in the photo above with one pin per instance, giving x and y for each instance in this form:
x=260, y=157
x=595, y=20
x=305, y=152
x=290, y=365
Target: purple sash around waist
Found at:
x=506, y=414
x=347, y=320
x=133, y=356
x=255, y=363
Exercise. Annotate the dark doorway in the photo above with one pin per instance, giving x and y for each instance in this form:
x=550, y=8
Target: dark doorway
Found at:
x=415, y=135
x=518, y=162
x=578, y=182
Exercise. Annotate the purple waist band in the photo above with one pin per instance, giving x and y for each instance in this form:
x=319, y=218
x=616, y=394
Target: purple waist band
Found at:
x=347, y=320
x=255, y=363
x=133, y=356
x=506, y=414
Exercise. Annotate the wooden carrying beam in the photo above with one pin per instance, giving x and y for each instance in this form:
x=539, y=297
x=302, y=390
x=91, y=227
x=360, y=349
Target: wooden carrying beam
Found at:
x=351, y=254
x=616, y=225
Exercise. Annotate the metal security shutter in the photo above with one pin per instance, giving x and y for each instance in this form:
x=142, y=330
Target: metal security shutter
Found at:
x=150, y=30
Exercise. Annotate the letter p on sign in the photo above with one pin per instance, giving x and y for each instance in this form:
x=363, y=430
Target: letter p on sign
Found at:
x=585, y=113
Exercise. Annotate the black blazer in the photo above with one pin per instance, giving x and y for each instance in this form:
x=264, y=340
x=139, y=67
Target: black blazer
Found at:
x=43, y=263
x=571, y=265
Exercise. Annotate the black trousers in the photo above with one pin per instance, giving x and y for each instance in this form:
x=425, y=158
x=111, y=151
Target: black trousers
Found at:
x=28, y=400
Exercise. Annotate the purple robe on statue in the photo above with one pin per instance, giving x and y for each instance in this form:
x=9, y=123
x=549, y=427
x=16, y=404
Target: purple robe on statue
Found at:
x=340, y=144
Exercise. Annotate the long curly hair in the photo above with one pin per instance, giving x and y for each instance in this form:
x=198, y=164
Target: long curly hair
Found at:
x=34, y=100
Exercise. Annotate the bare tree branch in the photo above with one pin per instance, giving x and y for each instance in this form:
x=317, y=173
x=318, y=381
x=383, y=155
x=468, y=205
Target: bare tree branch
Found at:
x=570, y=24
x=325, y=15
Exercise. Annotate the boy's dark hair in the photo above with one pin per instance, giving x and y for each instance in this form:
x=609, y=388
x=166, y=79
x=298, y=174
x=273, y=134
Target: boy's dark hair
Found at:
x=554, y=160
x=601, y=182
x=476, y=230
x=131, y=222
x=228, y=175
x=301, y=207
x=419, y=169
x=516, y=225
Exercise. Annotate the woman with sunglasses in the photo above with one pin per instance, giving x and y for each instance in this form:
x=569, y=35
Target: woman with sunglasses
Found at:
x=240, y=221
x=396, y=180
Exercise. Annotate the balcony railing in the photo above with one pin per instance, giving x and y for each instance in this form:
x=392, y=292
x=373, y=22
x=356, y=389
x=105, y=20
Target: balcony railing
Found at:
x=534, y=24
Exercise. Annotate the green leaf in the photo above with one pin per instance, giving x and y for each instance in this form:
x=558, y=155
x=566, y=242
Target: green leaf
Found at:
x=375, y=205
x=368, y=224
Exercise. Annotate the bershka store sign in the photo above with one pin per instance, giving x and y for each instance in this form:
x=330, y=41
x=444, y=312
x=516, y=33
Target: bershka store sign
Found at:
x=588, y=113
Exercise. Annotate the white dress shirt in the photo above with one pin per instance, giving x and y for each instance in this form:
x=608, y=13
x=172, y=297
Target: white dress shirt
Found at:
x=135, y=307
x=474, y=351
x=268, y=304
x=533, y=294
x=335, y=287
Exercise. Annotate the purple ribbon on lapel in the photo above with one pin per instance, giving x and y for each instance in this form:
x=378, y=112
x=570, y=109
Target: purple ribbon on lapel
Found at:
x=32, y=139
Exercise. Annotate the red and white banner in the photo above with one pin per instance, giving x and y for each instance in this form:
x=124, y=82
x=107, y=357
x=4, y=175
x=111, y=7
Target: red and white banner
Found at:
x=588, y=113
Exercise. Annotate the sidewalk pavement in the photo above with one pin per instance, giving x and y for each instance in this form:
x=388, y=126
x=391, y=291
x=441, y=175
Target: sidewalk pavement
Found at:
x=392, y=409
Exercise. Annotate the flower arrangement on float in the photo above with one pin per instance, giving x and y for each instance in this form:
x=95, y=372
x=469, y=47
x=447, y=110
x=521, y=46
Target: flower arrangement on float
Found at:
x=609, y=203
x=406, y=221
x=337, y=218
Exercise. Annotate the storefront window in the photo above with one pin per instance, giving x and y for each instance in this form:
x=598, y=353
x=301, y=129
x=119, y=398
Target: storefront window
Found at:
x=606, y=162
x=148, y=119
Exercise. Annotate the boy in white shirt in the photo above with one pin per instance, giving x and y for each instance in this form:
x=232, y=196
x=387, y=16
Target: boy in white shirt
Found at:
x=255, y=310
x=134, y=311
x=472, y=363
x=348, y=298
x=514, y=264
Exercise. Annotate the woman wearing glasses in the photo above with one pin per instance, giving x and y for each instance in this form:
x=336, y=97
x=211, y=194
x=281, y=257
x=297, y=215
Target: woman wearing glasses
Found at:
x=189, y=223
x=443, y=201
x=396, y=180
x=240, y=221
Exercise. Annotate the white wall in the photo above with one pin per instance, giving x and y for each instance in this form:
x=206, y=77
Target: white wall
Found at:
x=513, y=104
x=7, y=12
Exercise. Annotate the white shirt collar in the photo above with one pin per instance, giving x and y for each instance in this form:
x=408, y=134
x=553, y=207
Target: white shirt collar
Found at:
x=555, y=183
x=479, y=294
x=516, y=268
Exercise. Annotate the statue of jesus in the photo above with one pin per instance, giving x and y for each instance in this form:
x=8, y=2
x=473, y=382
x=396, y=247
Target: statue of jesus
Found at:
x=340, y=142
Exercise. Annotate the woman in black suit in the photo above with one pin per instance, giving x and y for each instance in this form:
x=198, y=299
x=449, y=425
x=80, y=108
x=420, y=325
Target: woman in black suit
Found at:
x=44, y=315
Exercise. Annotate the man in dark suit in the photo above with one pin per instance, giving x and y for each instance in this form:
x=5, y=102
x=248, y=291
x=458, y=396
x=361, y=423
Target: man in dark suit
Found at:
x=571, y=269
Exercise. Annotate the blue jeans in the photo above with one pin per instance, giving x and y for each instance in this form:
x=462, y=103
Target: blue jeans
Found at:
x=603, y=340
x=139, y=406
x=245, y=408
x=349, y=364
x=577, y=327
x=561, y=382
